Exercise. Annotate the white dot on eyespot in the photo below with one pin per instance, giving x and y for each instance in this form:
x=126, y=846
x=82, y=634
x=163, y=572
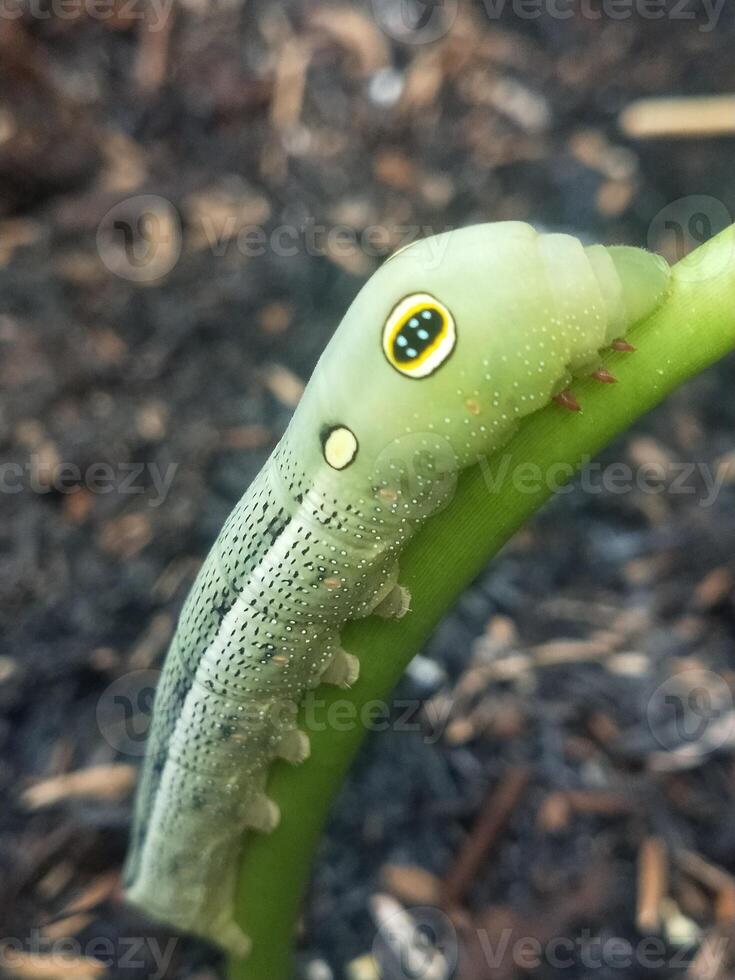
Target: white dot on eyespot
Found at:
x=340, y=447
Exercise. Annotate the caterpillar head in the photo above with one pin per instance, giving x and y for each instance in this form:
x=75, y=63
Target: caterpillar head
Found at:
x=458, y=337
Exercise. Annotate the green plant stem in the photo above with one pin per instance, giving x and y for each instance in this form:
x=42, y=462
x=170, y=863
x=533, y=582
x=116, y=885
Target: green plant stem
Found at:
x=694, y=328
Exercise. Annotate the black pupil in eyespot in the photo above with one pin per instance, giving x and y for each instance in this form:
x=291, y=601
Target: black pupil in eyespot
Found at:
x=417, y=332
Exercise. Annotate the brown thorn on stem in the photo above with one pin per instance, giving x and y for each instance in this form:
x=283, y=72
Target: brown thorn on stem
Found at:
x=604, y=376
x=567, y=400
x=623, y=346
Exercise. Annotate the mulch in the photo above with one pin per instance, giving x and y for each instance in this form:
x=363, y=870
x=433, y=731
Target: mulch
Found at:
x=564, y=778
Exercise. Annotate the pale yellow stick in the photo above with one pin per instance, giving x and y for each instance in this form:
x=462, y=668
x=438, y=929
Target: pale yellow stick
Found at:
x=710, y=115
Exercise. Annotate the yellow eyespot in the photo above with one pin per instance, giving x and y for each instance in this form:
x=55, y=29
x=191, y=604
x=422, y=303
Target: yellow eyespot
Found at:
x=419, y=335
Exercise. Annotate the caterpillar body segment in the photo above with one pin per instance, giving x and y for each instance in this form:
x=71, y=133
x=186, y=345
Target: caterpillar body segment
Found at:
x=445, y=349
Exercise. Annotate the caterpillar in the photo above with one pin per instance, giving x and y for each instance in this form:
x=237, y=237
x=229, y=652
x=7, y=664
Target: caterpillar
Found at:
x=446, y=348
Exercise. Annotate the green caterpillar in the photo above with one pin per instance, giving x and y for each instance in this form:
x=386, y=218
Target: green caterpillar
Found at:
x=444, y=350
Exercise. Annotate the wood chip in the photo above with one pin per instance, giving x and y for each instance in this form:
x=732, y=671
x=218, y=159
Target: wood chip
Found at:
x=629, y=664
x=603, y=728
x=502, y=720
x=711, y=959
x=110, y=782
x=80, y=268
x=459, y=731
x=645, y=451
x=275, y=318
x=125, y=167
x=411, y=884
x=642, y=571
x=715, y=588
x=591, y=147
x=151, y=62
x=218, y=214
x=502, y=631
x=692, y=117
x=554, y=814
x=438, y=190
x=77, y=506
x=153, y=642
x=395, y=170
x=102, y=888
x=290, y=81
x=556, y=810
x=245, y=437
x=283, y=384
x=45, y=463
x=56, y=880
x=344, y=252
x=527, y=109
x=43, y=966
x=652, y=882
x=601, y=802
x=8, y=126
x=614, y=197
x=173, y=577
x=690, y=627
x=70, y=926
x=8, y=668
x=703, y=871
x=424, y=80
x=569, y=651
x=356, y=33
x=486, y=832
x=725, y=904
x=151, y=420
x=725, y=468
x=14, y=233
x=107, y=346
x=693, y=898
x=126, y=536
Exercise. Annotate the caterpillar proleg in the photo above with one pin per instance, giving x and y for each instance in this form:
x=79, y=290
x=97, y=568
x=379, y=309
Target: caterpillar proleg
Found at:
x=445, y=349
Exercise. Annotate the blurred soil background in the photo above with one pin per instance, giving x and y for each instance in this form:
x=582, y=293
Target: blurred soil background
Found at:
x=568, y=766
